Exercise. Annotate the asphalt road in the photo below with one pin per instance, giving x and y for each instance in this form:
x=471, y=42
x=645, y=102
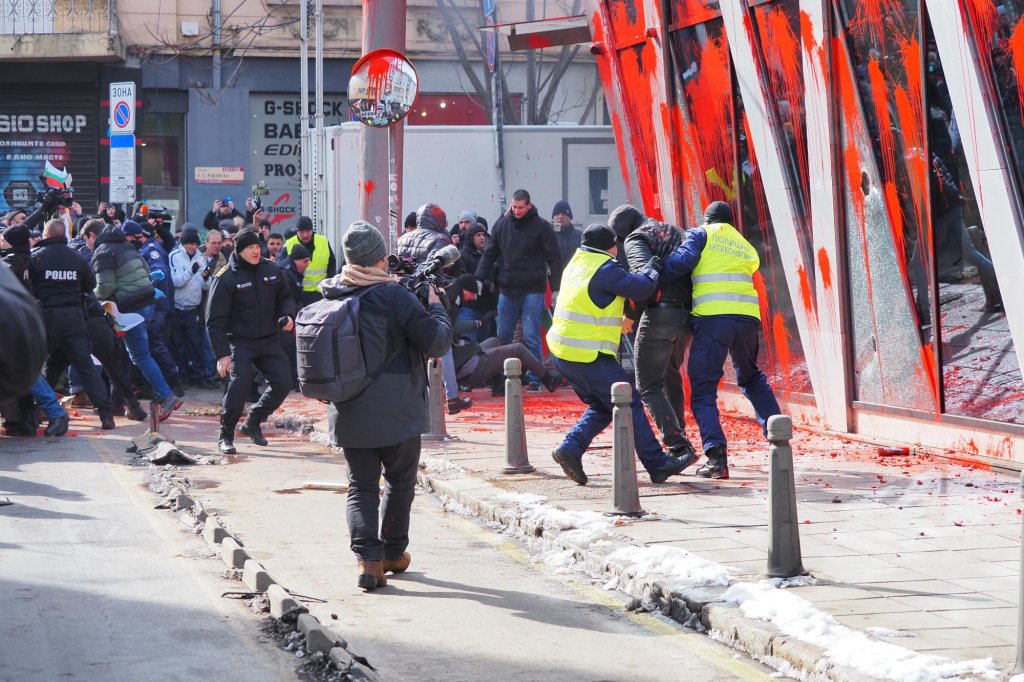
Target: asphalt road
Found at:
x=97, y=586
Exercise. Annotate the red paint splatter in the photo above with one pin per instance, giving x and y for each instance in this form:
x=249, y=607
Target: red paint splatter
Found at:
x=538, y=41
x=368, y=187
x=1015, y=46
x=781, y=339
x=825, y=268
x=806, y=297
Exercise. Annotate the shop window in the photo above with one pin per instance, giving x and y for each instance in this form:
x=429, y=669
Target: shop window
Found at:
x=161, y=140
x=878, y=75
x=980, y=374
x=718, y=164
x=453, y=109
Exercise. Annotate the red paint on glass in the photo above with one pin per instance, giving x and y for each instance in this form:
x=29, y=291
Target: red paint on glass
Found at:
x=1015, y=45
x=538, y=42
x=780, y=337
x=369, y=186
x=806, y=297
x=880, y=99
x=825, y=268
x=871, y=17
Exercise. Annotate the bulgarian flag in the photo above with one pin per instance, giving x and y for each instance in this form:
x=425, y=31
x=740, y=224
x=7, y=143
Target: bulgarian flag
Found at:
x=55, y=177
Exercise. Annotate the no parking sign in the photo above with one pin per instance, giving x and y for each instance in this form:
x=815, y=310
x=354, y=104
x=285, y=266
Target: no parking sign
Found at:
x=122, y=108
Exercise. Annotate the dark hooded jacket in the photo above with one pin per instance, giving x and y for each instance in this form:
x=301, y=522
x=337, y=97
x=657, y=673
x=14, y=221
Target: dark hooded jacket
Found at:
x=60, y=275
x=653, y=238
x=121, y=273
x=22, y=344
x=470, y=259
x=428, y=237
x=396, y=333
x=520, y=253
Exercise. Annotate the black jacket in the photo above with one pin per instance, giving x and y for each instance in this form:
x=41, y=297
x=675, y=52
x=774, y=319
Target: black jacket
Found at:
x=212, y=220
x=428, y=237
x=245, y=303
x=23, y=341
x=520, y=254
x=121, y=273
x=653, y=238
x=569, y=239
x=293, y=279
x=393, y=328
x=17, y=261
x=60, y=275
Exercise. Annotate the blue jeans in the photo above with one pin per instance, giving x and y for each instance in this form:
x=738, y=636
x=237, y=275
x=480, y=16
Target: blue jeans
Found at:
x=47, y=399
x=136, y=340
x=451, y=383
x=592, y=382
x=714, y=337
x=469, y=314
x=188, y=347
x=527, y=309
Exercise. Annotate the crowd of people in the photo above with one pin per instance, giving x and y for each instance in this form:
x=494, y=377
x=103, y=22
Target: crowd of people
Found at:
x=162, y=310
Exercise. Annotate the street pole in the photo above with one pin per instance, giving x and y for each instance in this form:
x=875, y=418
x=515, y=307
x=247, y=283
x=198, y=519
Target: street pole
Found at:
x=304, y=150
x=380, y=177
x=499, y=122
x=318, y=144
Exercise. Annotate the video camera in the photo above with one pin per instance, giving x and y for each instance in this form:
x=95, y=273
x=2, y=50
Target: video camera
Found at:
x=258, y=190
x=419, y=278
x=52, y=197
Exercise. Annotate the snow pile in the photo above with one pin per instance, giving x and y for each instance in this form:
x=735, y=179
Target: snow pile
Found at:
x=795, y=581
x=439, y=465
x=886, y=632
x=798, y=617
x=672, y=563
x=531, y=510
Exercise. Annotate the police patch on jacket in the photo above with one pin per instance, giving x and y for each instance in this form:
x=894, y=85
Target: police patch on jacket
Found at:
x=243, y=285
x=154, y=255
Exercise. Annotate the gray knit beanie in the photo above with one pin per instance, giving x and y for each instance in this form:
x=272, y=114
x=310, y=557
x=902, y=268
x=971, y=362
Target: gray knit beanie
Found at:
x=363, y=244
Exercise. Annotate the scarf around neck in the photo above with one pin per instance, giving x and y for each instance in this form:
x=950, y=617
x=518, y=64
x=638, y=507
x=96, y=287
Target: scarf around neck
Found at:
x=363, y=276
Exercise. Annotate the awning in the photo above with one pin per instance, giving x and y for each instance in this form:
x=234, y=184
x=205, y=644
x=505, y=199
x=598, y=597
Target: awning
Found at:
x=535, y=35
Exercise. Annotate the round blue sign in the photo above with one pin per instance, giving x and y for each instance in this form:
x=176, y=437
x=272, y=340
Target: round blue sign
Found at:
x=122, y=114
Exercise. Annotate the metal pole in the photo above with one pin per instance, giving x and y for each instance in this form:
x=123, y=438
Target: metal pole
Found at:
x=499, y=123
x=1018, y=666
x=436, y=402
x=318, y=199
x=626, y=494
x=783, y=529
x=216, y=44
x=517, y=458
x=394, y=209
x=380, y=173
x=304, y=103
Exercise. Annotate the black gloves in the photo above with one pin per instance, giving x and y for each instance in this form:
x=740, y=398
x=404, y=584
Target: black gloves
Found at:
x=655, y=264
x=195, y=268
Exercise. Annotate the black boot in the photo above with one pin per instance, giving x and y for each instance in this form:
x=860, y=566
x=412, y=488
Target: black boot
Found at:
x=134, y=411
x=717, y=465
x=551, y=380
x=498, y=387
x=251, y=428
x=58, y=426
x=226, y=444
x=671, y=467
x=107, y=421
x=177, y=386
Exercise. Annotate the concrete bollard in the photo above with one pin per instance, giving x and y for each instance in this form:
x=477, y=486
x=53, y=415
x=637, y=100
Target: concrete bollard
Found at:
x=517, y=457
x=784, y=559
x=437, y=404
x=1018, y=666
x=626, y=495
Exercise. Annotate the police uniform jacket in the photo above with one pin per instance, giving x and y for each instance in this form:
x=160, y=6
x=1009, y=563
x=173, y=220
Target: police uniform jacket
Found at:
x=60, y=275
x=245, y=304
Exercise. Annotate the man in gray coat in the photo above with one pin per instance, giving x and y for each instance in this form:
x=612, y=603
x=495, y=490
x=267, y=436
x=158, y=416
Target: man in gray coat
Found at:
x=396, y=334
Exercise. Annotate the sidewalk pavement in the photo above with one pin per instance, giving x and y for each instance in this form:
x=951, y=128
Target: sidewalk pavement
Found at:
x=914, y=559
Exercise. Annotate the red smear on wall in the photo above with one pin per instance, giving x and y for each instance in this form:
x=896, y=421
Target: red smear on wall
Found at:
x=806, y=297
x=825, y=268
x=611, y=91
x=781, y=341
x=538, y=41
x=368, y=187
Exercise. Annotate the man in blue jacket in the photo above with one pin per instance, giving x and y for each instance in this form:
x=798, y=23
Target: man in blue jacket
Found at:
x=726, y=317
x=584, y=338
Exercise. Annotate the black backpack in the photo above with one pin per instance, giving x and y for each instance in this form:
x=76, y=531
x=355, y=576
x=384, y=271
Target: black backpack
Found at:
x=330, y=355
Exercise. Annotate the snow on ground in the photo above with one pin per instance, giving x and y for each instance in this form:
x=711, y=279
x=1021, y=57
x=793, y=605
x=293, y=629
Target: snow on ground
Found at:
x=672, y=563
x=798, y=617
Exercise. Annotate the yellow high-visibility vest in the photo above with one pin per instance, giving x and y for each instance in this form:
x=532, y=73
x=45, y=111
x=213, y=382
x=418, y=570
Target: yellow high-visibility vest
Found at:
x=723, y=281
x=580, y=330
x=316, y=271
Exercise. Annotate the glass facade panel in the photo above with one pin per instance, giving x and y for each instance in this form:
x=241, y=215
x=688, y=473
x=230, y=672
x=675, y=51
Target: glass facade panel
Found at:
x=892, y=357
x=709, y=123
x=161, y=140
x=980, y=373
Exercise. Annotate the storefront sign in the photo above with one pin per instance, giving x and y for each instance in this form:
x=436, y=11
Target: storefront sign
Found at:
x=275, y=145
x=219, y=175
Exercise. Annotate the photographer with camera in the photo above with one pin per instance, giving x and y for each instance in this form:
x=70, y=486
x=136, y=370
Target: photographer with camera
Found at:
x=396, y=333
x=249, y=305
x=223, y=209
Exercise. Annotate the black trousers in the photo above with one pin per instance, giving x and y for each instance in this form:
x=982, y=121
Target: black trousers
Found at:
x=363, y=511
x=66, y=331
x=107, y=349
x=247, y=357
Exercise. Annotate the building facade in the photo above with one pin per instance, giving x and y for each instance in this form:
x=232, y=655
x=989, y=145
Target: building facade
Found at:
x=872, y=149
x=218, y=92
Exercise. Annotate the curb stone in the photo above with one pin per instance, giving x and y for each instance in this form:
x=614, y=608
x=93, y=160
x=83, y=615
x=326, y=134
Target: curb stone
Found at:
x=282, y=604
x=759, y=639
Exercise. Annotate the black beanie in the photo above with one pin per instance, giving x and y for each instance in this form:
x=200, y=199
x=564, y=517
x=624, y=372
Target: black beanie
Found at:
x=17, y=235
x=299, y=252
x=598, y=237
x=304, y=223
x=718, y=212
x=189, y=237
x=466, y=282
x=246, y=238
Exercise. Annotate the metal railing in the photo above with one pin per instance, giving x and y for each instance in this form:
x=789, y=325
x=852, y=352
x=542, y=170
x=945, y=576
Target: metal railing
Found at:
x=57, y=17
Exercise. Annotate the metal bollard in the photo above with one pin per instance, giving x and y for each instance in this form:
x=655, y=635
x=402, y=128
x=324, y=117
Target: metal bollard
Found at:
x=517, y=458
x=154, y=416
x=436, y=404
x=783, y=529
x=626, y=495
x=1018, y=667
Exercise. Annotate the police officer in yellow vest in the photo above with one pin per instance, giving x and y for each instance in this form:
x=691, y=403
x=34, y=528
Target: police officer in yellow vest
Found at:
x=726, y=318
x=584, y=340
x=322, y=263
